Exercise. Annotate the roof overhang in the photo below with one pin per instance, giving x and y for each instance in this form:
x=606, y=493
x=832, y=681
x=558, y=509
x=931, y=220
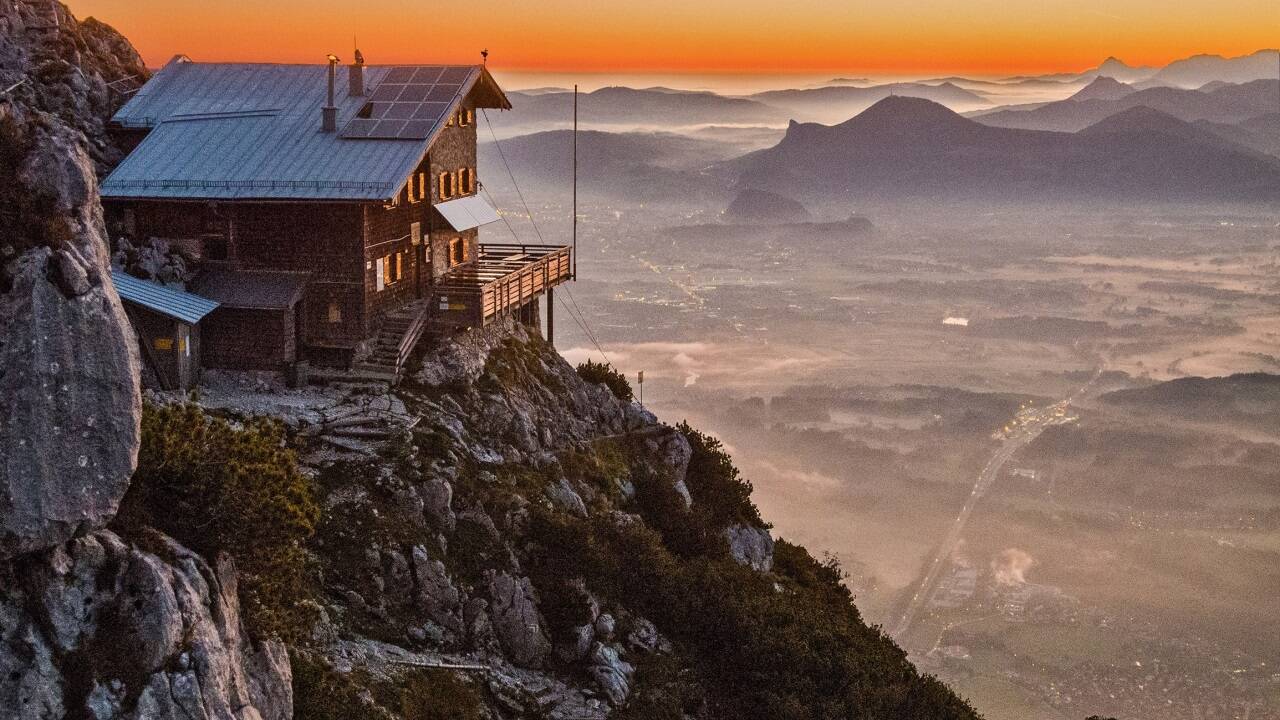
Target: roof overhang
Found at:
x=468, y=212
x=183, y=306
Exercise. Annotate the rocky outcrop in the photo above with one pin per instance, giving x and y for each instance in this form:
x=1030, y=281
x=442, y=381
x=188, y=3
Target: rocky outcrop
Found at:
x=103, y=629
x=77, y=72
x=516, y=621
x=751, y=546
x=68, y=359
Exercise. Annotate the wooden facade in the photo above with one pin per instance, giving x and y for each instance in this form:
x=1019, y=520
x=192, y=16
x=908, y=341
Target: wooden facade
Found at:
x=360, y=261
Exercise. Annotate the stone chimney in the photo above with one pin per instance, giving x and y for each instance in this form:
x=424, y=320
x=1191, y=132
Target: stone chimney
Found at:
x=329, y=113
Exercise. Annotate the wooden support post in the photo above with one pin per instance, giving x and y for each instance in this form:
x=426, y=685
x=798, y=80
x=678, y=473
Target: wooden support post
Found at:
x=551, y=317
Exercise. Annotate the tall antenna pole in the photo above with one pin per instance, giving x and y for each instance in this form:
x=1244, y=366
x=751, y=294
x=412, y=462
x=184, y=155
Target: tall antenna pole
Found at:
x=575, y=182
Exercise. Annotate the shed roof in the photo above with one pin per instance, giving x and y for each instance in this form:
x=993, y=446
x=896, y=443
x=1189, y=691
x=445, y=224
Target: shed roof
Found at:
x=252, y=289
x=179, y=305
x=235, y=131
x=468, y=212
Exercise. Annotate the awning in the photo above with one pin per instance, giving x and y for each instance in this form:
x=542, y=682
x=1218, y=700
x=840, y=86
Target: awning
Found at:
x=468, y=212
x=167, y=301
x=252, y=289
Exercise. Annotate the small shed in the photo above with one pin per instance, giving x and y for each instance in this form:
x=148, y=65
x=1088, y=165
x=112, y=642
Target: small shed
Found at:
x=167, y=322
x=256, y=324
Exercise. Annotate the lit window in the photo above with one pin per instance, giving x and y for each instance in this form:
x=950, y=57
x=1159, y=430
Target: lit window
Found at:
x=335, y=312
x=446, y=183
x=457, y=251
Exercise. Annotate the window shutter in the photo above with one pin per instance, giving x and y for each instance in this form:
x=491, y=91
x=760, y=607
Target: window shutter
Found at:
x=444, y=186
x=471, y=180
x=453, y=184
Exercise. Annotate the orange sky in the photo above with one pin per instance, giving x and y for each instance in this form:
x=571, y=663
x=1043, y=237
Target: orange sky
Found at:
x=703, y=36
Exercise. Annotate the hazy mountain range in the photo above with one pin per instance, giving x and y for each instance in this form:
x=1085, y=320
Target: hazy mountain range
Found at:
x=1225, y=103
x=911, y=148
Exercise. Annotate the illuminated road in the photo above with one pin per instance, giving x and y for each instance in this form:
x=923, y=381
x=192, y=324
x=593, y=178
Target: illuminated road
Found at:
x=1025, y=427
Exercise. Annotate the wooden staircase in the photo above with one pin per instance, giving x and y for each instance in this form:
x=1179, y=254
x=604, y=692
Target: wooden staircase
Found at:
x=401, y=329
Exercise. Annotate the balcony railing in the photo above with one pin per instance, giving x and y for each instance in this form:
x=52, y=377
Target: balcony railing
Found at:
x=502, y=279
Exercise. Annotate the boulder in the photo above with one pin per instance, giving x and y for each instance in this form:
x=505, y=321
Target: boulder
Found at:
x=612, y=674
x=98, y=628
x=751, y=546
x=516, y=621
x=69, y=370
x=436, y=595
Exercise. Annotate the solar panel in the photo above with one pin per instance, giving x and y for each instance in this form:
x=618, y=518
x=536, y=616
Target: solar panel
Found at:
x=409, y=102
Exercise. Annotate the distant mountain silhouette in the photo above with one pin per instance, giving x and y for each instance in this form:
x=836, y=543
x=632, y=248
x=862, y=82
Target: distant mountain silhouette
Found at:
x=1226, y=104
x=833, y=103
x=1261, y=133
x=1103, y=88
x=637, y=166
x=761, y=206
x=1196, y=71
x=1117, y=69
x=627, y=106
x=910, y=148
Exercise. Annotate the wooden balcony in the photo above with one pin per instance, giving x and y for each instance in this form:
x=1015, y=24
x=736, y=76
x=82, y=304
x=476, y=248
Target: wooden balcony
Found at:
x=503, y=279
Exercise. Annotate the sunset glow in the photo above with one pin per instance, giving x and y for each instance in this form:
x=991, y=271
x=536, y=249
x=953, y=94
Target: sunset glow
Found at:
x=740, y=36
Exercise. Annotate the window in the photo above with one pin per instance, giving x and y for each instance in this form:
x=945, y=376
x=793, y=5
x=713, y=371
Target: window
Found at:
x=392, y=267
x=446, y=185
x=457, y=251
x=335, y=312
x=466, y=117
x=415, y=234
x=417, y=188
x=464, y=180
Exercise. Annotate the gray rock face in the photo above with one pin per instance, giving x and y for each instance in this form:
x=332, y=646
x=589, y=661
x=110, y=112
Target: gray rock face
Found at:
x=436, y=595
x=68, y=364
x=751, y=546
x=611, y=672
x=516, y=621
x=79, y=73
x=101, y=629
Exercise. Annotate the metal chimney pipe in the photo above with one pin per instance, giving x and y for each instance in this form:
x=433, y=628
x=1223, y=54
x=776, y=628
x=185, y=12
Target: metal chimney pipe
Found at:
x=329, y=113
x=355, y=76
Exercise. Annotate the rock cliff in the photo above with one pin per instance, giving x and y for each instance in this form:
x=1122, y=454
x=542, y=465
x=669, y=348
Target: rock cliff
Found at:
x=68, y=363
x=91, y=625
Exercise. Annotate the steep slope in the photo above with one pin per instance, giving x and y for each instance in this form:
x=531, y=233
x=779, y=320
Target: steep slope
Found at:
x=527, y=544
x=906, y=148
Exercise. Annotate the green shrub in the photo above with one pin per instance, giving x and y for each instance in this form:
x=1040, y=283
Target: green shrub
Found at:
x=604, y=374
x=218, y=488
x=437, y=694
x=802, y=653
x=715, y=483
x=322, y=693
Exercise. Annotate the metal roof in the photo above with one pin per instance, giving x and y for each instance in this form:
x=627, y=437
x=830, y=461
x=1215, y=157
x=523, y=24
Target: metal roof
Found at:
x=176, y=304
x=468, y=212
x=237, y=131
x=252, y=289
